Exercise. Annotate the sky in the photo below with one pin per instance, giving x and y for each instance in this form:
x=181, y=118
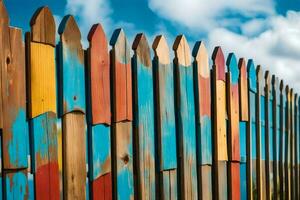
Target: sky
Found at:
x=267, y=31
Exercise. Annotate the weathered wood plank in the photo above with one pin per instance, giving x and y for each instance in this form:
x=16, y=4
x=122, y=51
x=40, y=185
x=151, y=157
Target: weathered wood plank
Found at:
x=292, y=139
x=232, y=89
x=269, y=132
x=296, y=146
x=72, y=105
x=251, y=133
x=219, y=118
x=41, y=63
x=71, y=67
x=121, y=79
x=287, y=144
x=16, y=184
x=42, y=103
x=243, y=109
x=276, y=128
x=233, y=107
x=260, y=134
x=243, y=91
x=99, y=114
x=185, y=120
x=45, y=157
x=165, y=118
x=100, y=159
x=74, y=159
x=15, y=129
x=99, y=76
x=282, y=141
x=143, y=124
x=122, y=155
x=203, y=119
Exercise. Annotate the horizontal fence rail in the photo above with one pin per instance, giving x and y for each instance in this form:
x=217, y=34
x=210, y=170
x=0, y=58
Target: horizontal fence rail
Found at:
x=112, y=122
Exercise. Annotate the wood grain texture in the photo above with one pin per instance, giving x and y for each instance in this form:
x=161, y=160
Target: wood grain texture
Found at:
x=99, y=76
x=260, y=133
x=13, y=95
x=287, y=144
x=123, y=186
x=43, y=26
x=100, y=157
x=121, y=77
x=232, y=83
x=202, y=85
x=164, y=104
x=243, y=90
x=219, y=88
x=282, y=141
x=169, y=190
x=45, y=156
x=276, y=128
x=165, y=119
x=251, y=133
x=143, y=124
x=71, y=67
x=269, y=141
x=41, y=69
x=74, y=159
x=220, y=156
x=244, y=118
x=203, y=104
x=186, y=129
x=101, y=188
x=122, y=138
x=234, y=189
x=16, y=184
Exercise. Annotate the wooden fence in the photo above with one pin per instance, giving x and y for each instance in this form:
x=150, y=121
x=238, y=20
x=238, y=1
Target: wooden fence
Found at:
x=102, y=124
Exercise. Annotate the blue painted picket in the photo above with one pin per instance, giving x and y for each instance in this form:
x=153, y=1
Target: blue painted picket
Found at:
x=252, y=127
x=185, y=119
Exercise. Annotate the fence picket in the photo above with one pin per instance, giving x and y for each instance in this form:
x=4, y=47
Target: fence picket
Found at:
x=232, y=89
x=99, y=114
x=251, y=132
x=143, y=125
x=220, y=126
x=165, y=123
x=243, y=109
x=122, y=148
x=203, y=120
x=185, y=119
x=72, y=107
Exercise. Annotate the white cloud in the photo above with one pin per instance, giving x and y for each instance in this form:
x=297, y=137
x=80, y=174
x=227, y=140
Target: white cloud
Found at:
x=89, y=12
x=203, y=15
x=276, y=49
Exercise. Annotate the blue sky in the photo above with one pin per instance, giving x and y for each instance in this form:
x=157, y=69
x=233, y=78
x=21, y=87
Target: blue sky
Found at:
x=266, y=30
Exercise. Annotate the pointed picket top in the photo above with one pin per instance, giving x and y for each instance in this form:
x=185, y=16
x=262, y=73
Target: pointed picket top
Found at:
x=4, y=19
x=243, y=90
x=268, y=82
x=43, y=26
x=276, y=89
x=69, y=32
x=182, y=51
x=201, y=57
x=232, y=67
x=141, y=49
x=161, y=49
x=243, y=69
x=281, y=86
x=97, y=34
x=219, y=63
x=287, y=93
x=251, y=75
x=260, y=82
x=120, y=45
x=99, y=73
